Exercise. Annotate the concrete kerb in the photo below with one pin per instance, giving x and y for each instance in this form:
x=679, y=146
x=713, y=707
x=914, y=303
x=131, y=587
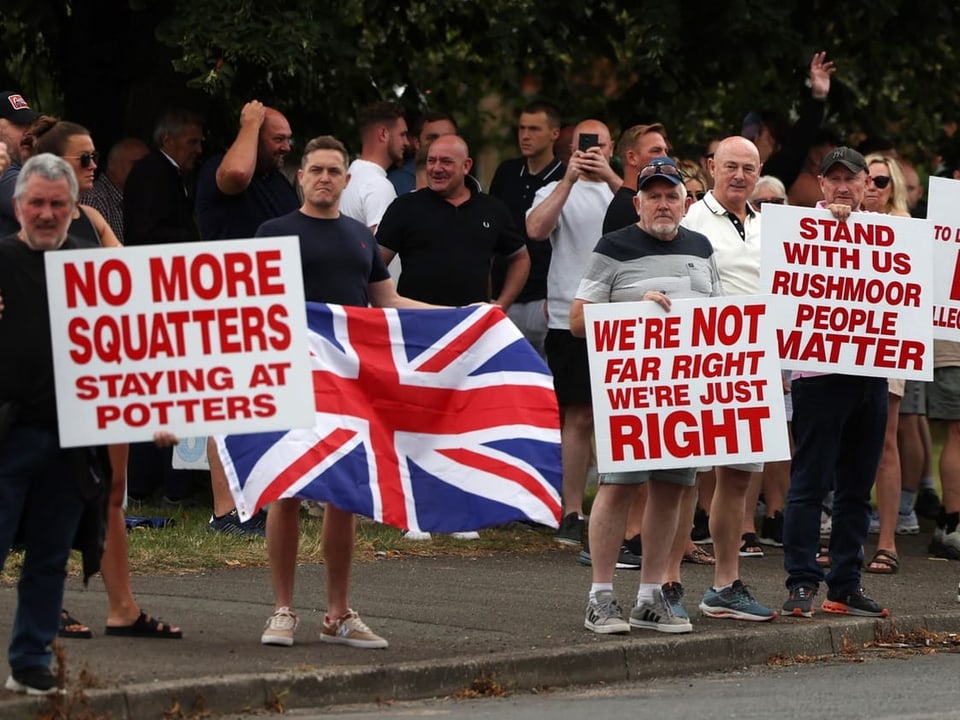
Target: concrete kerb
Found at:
x=614, y=661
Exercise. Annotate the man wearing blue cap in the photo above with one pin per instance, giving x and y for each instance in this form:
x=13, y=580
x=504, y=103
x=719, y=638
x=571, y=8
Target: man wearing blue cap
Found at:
x=631, y=265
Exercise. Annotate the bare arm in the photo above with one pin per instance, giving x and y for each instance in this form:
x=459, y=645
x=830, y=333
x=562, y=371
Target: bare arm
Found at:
x=386, y=254
x=108, y=238
x=518, y=268
x=383, y=294
x=543, y=218
x=578, y=326
x=240, y=161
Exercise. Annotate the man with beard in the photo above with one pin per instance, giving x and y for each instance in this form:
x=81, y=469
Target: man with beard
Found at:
x=236, y=193
x=15, y=119
x=654, y=260
x=383, y=133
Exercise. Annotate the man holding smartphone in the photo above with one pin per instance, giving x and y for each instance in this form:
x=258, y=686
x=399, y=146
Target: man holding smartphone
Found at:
x=569, y=213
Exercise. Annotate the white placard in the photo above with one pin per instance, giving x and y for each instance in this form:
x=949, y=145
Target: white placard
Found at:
x=194, y=338
x=943, y=210
x=699, y=385
x=857, y=296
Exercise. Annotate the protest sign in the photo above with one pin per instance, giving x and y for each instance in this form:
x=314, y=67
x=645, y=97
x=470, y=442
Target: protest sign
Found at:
x=943, y=210
x=193, y=338
x=190, y=454
x=853, y=297
x=698, y=385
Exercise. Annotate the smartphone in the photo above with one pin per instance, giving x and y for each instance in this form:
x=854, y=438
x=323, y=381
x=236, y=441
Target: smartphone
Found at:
x=588, y=140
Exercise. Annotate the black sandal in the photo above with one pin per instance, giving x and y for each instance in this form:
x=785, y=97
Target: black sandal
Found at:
x=70, y=627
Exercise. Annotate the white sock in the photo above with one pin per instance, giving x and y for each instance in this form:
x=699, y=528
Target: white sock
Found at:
x=926, y=483
x=599, y=587
x=725, y=587
x=907, y=500
x=645, y=592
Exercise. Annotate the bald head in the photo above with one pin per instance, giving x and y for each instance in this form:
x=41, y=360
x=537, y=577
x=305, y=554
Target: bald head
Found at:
x=593, y=127
x=735, y=167
x=448, y=162
x=275, y=137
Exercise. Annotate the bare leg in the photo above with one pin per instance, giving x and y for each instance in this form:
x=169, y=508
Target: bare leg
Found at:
x=339, y=529
x=659, y=528
x=222, y=499
x=888, y=479
x=725, y=522
x=910, y=443
x=950, y=467
x=681, y=539
x=607, y=521
x=283, y=542
x=635, y=513
x=576, y=449
x=748, y=523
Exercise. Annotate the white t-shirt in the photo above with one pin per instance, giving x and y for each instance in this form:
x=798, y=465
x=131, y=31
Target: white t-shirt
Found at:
x=578, y=229
x=368, y=193
x=738, y=259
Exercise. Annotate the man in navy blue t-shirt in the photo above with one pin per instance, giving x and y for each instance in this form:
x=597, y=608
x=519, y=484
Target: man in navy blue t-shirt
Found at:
x=341, y=264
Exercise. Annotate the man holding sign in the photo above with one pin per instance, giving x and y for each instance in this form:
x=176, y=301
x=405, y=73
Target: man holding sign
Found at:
x=653, y=260
x=838, y=427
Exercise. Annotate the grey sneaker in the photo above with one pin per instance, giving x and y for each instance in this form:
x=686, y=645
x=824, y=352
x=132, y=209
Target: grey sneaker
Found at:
x=604, y=615
x=280, y=628
x=658, y=615
x=734, y=603
x=350, y=630
x=35, y=680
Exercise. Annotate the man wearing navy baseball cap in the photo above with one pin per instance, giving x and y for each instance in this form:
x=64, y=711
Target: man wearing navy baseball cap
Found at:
x=15, y=118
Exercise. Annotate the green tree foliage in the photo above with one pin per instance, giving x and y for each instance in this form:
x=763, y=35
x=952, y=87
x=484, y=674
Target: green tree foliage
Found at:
x=698, y=67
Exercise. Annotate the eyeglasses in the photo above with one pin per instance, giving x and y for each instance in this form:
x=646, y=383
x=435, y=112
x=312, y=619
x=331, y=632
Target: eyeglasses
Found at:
x=659, y=169
x=757, y=202
x=881, y=181
x=698, y=194
x=85, y=158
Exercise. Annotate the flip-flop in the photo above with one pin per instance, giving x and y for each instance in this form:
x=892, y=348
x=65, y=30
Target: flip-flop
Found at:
x=751, y=546
x=887, y=561
x=145, y=626
x=70, y=627
x=823, y=556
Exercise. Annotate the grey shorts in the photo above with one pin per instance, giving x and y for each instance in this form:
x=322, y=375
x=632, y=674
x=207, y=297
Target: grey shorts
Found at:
x=677, y=476
x=914, y=400
x=943, y=395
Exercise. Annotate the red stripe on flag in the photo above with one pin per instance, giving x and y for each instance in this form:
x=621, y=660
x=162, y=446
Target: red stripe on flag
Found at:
x=303, y=464
x=461, y=344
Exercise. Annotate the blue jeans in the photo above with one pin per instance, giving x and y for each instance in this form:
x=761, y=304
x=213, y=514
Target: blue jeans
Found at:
x=38, y=488
x=838, y=429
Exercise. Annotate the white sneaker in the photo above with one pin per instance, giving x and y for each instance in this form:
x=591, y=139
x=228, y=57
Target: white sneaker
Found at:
x=471, y=535
x=907, y=524
x=416, y=536
x=874, y=528
x=280, y=628
x=351, y=630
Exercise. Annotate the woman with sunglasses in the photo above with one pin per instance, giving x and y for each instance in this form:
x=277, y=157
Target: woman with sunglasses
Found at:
x=694, y=179
x=125, y=618
x=73, y=143
x=768, y=191
x=886, y=192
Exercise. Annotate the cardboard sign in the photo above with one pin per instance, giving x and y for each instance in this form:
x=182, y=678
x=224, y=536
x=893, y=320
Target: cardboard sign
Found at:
x=194, y=338
x=943, y=210
x=854, y=297
x=699, y=385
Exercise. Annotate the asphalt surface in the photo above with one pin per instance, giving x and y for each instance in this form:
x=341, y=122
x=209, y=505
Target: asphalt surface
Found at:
x=511, y=619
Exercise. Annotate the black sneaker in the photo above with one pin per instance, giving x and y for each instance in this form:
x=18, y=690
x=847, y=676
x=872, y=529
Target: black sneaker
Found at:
x=230, y=524
x=928, y=504
x=626, y=560
x=634, y=545
x=36, y=680
x=800, y=602
x=771, y=530
x=855, y=602
x=570, y=531
x=701, y=528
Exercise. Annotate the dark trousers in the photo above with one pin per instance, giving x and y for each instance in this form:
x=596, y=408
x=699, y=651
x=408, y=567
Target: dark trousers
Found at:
x=838, y=429
x=38, y=494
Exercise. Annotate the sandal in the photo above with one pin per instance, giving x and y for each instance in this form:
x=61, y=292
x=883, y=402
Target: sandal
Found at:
x=823, y=556
x=883, y=562
x=751, y=546
x=144, y=626
x=70, y=627
x=699, y=556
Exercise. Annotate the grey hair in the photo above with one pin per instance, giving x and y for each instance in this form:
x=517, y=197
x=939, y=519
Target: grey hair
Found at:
x=172, y=123
x=772, y=182
x=50, y=167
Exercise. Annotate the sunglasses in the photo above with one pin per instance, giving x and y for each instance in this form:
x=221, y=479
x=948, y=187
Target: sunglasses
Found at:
x=767, y=201
x=659, y=169
x=698, y=195
x=881, y=181
x=85, y=158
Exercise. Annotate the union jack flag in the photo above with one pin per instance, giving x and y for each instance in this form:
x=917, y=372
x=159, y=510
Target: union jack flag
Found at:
x=433, y=420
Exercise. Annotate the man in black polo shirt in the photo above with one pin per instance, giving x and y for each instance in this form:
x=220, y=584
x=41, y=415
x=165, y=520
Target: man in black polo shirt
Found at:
x=515, y=182
x=448, y=233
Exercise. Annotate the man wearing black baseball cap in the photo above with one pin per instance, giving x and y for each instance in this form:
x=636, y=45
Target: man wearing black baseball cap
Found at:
x=15, y=118
x=838, y=427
